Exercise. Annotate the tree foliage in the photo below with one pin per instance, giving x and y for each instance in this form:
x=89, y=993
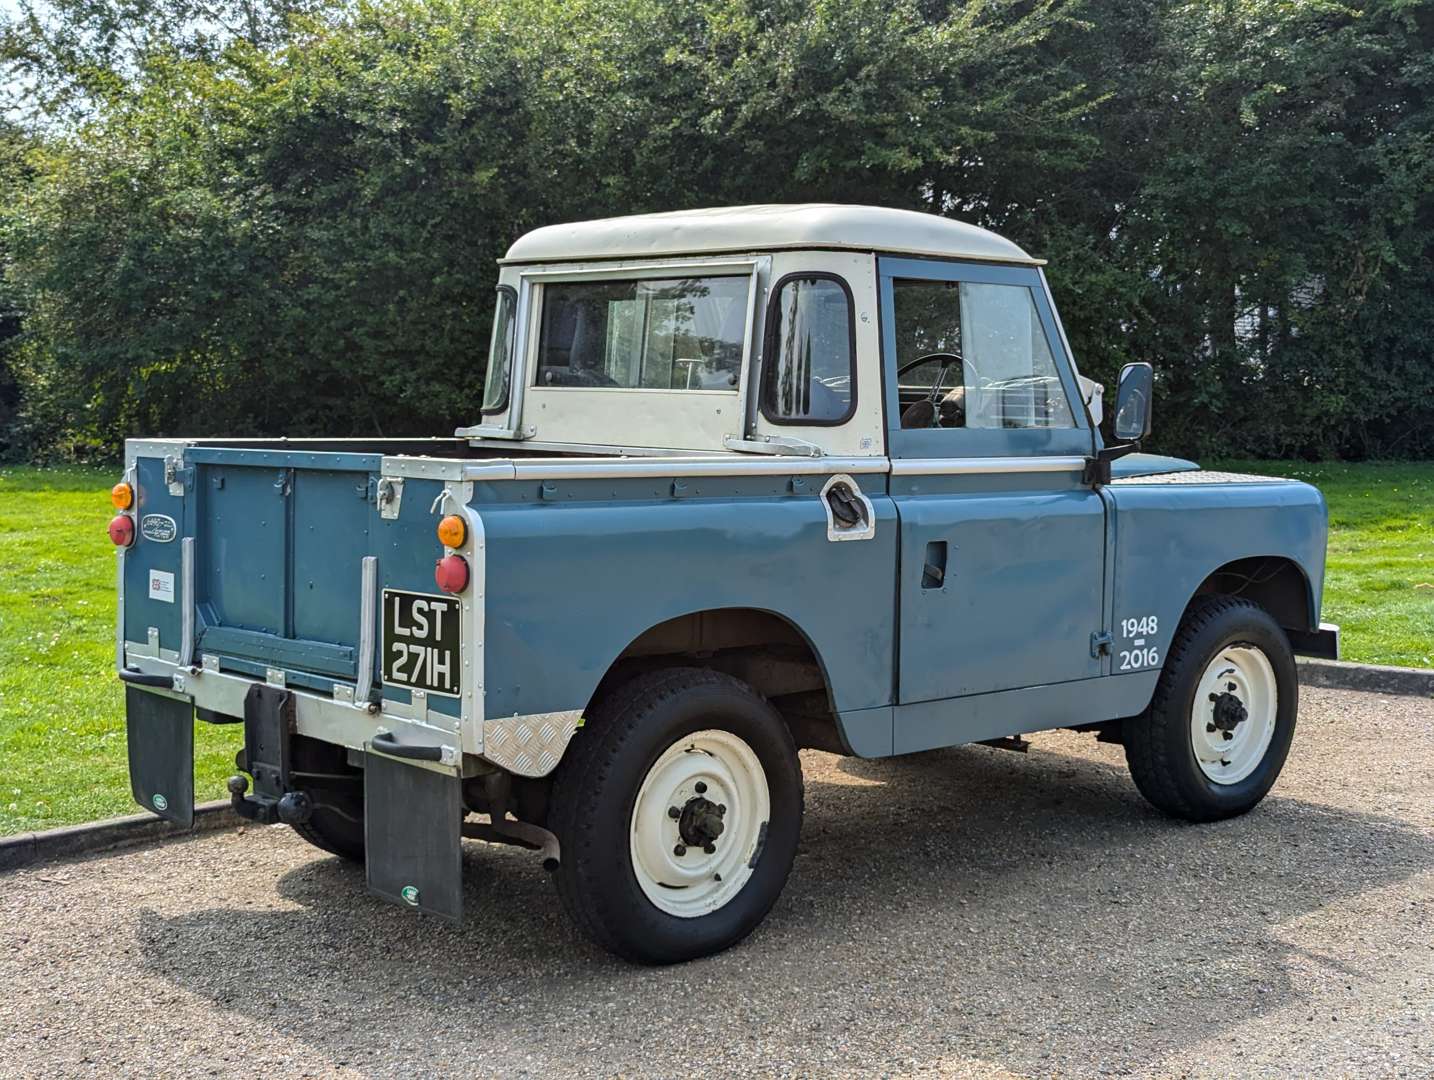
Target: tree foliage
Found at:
x=282, y=219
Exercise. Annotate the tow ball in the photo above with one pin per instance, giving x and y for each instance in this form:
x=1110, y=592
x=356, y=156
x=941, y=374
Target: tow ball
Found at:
x=292, y=808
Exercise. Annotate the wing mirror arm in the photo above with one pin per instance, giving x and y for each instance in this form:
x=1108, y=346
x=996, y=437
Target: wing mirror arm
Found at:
x=1097, y=469
x=1131, y=424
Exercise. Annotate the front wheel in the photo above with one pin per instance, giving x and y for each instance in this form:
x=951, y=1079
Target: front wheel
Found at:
x=678, y=806
x=1219, y=727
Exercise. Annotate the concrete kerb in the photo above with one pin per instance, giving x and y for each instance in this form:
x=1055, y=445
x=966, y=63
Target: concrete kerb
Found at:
x=30, y=848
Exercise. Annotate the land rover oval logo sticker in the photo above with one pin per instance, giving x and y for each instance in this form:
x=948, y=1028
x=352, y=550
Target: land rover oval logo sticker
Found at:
x=160, y=802
x=409, y=894
x=157, y=527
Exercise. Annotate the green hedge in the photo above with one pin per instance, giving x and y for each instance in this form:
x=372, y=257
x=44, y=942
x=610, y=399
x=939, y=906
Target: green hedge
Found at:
x=290, y=227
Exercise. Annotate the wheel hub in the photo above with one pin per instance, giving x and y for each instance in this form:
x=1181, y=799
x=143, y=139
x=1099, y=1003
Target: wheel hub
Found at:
x=1229, y=712
x=700, y=822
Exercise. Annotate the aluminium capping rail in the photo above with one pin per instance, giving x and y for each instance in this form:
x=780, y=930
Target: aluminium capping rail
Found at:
x=616, y=468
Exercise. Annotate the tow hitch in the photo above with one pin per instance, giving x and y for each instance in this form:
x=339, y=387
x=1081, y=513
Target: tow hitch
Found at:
x=268, y=725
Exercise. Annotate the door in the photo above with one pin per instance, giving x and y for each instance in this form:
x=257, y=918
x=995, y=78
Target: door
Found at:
x=1002, y=550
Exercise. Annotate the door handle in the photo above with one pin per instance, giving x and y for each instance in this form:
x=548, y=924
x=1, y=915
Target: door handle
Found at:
x=933, y=572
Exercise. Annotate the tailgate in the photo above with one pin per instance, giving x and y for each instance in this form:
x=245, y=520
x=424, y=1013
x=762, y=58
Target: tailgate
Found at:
x=280, y=544
x=278, y=541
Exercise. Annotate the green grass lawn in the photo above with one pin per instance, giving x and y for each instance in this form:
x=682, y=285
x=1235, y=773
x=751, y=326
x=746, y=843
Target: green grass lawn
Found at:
x=1379, y=581
x=62, y=744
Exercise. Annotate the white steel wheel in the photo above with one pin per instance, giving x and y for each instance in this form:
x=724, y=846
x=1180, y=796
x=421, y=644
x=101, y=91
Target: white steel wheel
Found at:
x=1233, y=716
x=700, y=817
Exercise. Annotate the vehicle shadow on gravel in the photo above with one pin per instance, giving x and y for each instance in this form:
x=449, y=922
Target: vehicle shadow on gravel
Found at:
x=1027, y=911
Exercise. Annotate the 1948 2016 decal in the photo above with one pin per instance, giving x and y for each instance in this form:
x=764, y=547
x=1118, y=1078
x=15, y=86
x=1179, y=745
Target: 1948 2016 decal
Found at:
x=420, y=642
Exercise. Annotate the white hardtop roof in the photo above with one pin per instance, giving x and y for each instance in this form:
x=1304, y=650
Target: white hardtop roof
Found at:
x=765, y=228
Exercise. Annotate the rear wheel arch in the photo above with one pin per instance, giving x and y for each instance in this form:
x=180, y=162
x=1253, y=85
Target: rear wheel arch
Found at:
x=764, y=649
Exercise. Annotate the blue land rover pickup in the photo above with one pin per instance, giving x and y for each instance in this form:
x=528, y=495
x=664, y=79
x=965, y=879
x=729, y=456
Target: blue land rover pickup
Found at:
x=742, y=481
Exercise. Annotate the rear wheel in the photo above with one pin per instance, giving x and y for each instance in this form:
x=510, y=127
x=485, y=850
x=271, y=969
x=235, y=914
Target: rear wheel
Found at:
x=678, y=806
x=322, y=771
x=1219, y=726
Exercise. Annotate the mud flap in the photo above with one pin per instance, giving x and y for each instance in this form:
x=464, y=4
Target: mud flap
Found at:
x=160, y=733
x=412, y=822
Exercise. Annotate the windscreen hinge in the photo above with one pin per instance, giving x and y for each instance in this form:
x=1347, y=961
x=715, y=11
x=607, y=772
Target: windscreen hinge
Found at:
x=772, y=444
x=490, y=431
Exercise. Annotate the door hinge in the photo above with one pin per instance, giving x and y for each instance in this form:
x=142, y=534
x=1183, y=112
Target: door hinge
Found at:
x=1100, y=643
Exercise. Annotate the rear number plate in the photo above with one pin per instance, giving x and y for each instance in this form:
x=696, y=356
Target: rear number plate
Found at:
x=420, y=642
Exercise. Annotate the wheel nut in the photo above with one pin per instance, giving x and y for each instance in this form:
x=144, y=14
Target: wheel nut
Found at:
x=1209, y=727
x=699, y=787
x=711, y=849
x=721, y=809
x=675, y=813
x=680, y=849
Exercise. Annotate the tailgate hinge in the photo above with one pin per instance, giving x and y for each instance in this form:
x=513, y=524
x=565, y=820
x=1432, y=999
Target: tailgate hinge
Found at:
x=1100, y=643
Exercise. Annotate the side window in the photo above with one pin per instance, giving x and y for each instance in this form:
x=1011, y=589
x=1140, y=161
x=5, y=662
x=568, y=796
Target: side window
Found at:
x=500, y=353
x=972, y=355
x=808, y=373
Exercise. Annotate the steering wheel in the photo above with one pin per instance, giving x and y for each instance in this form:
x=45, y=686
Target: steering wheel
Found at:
x=932, y=400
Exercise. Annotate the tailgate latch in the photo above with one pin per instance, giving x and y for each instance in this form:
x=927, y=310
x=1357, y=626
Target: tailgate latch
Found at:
x=389, y=495
x=176, y=477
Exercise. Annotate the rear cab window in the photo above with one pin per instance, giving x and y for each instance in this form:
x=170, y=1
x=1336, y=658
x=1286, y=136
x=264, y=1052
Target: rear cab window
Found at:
x=661, y=334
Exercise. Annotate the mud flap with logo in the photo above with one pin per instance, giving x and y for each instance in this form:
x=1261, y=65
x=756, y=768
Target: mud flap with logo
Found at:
x=160, y=733
x=413, y=818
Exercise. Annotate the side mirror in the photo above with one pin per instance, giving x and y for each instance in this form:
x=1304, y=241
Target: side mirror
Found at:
x=1133, y=395
x=1133, y=400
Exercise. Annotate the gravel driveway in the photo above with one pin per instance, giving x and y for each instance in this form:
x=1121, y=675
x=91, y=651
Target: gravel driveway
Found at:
x=969, y=912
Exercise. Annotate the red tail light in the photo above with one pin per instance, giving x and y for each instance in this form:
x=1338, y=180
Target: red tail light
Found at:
x=122, y=530
x=451, y=574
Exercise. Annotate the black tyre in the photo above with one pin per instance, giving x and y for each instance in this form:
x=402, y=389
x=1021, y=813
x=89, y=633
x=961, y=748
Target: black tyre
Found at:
x=1219, y=727
x=338, y=789
x=678, y=806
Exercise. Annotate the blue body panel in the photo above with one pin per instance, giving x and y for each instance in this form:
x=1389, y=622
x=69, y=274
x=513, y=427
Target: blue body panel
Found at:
x=1170, y=537
x=1022, y=592
x=571, y=584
